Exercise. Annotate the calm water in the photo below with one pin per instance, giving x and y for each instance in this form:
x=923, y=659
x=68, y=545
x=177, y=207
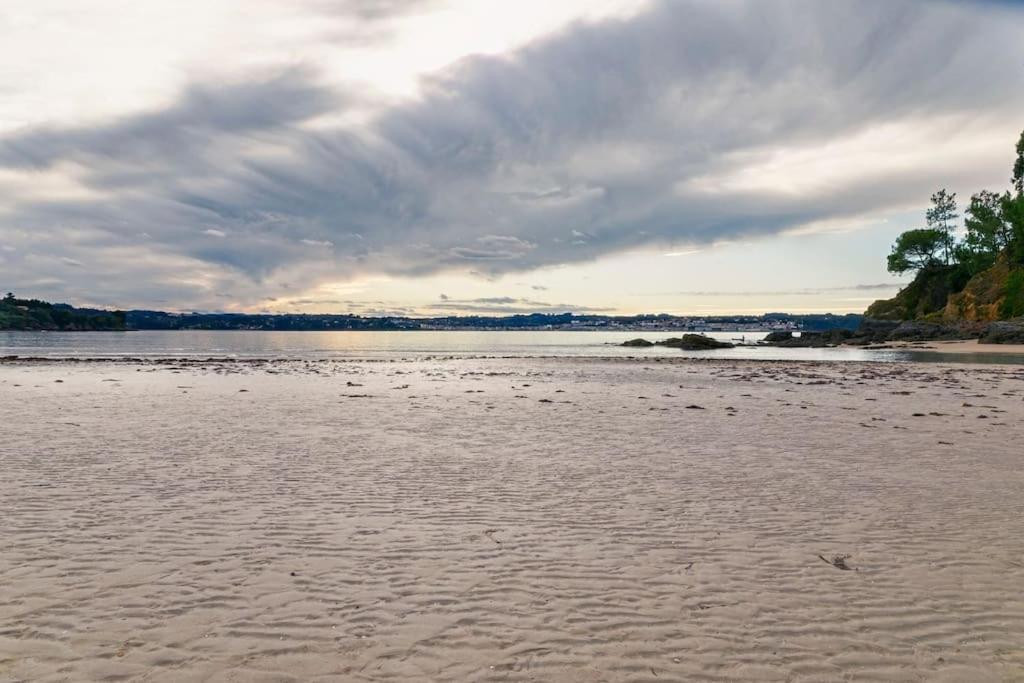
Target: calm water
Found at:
x=244, y=344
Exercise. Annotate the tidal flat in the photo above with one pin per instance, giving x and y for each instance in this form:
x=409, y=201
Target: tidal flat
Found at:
x=511, y=519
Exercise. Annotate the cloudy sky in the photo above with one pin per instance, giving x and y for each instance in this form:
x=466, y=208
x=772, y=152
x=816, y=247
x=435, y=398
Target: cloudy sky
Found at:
x=440, y=156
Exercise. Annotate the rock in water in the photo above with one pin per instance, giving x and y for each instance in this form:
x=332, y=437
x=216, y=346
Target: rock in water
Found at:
x=809, y=339
x=688, y=342
x=695, y=342
x=776, y=336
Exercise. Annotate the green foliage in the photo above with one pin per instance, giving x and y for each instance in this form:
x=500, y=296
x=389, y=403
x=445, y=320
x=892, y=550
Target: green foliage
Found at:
x=972, y=259
x=989, y=231
x=1013, y=214
x=992, y=248
x=1018, y=167
x=942, y=217
x=33, y=314
x=916, y=250
x=926, y=295
x=1013, y=304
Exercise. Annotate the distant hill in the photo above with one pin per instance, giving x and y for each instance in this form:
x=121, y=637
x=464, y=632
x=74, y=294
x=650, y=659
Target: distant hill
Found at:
x=33, y=314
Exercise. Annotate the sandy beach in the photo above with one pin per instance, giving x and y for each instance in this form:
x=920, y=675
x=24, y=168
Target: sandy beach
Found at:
x=961, y=346
x=511, y=520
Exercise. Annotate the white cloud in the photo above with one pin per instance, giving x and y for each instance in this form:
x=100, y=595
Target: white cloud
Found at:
x=683, y=123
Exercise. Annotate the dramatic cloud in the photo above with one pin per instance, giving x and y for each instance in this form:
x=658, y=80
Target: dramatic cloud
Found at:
x=688, y=123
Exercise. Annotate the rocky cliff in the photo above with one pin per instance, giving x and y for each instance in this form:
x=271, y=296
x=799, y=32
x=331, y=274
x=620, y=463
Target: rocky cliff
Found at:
x=993, y=294
x=944, y=295
x=923, y=299
x=941, y=304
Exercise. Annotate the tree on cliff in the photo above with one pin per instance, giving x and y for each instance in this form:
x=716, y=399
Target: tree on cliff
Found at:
x=916, y=250
x=1013, y=206
x=988, y=231
x=1018, y=167
x=942, y=217
x=1013, y=213
x=989, y=259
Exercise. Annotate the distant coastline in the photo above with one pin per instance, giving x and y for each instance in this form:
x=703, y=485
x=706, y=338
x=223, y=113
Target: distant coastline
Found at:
x=33, y=314
x=37, y=315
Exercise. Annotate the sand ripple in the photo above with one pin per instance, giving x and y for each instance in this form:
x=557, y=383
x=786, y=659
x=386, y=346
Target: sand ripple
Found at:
x=440, y=522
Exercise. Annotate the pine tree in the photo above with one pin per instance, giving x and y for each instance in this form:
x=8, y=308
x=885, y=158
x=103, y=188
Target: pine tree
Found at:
x=942, y=217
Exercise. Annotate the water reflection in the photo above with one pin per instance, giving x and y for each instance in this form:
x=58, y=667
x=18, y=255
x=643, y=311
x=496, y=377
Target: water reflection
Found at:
x=941, y=357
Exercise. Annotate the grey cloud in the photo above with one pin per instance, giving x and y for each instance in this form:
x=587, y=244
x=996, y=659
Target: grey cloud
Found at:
x=796, y=292
x=516, y=310
x=881, y=285
x=496, y=300
x=579, y=145
x=176, y=136
x=316, y=302
x=365, y=22
x=374, y=10
x=507, y=305
x=500, y=247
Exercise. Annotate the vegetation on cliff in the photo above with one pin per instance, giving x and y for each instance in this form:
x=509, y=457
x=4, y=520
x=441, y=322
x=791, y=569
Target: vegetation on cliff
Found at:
x=33, y=314
x=978, y=278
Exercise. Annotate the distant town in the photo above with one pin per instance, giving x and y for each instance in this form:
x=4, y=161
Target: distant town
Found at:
x=34, y=314
x=155, y=320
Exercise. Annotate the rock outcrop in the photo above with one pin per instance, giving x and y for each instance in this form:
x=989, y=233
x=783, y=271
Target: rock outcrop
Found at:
x=808, y=339
x=873, y=331
x=941, y=304
x=696, y=342
x=926, y=296
x=992, y=294
x=777, y=336
x=688, y=342
x=917, y=330
x=1004, y=332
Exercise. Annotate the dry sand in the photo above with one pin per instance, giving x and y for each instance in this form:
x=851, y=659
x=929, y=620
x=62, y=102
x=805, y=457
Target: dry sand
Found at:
x=511, y=520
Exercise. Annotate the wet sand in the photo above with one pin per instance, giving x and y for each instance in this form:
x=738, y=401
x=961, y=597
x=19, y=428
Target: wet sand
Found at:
x=966, y=346
x=511, y=520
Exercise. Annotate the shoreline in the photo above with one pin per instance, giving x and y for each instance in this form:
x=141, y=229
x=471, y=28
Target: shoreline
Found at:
x=890, y=353
x=268, y=360
x=964, y=349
